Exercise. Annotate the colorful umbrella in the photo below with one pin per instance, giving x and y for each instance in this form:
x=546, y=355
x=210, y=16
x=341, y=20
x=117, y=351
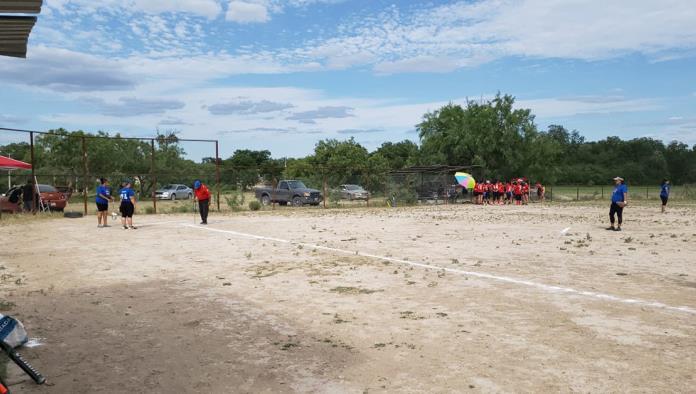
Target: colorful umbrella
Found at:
x=466, y=180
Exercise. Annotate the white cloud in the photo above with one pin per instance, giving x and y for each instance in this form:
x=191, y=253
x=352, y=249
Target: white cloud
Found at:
x=247, y=12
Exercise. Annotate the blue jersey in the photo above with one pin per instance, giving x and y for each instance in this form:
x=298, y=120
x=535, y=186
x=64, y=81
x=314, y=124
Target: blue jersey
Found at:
x=664, y=190
x=126, y=194
x=105, y=191
x=618, y=194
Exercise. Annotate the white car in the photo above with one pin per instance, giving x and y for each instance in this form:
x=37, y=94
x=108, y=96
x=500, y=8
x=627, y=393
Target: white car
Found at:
x=174, y=192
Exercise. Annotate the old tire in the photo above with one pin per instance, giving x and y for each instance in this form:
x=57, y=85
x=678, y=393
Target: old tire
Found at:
x=297, y=201
x=265, y=200
x=72, y=215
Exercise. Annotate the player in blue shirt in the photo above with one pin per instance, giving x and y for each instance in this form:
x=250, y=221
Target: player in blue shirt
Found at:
x=127, y=208
x=619, y=199
x=665, y=188
x=102, y=200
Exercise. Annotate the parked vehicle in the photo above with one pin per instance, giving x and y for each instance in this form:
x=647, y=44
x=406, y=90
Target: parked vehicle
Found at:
x=353, y=192
x=173, y=192
x=55, y=200
x=289, y=191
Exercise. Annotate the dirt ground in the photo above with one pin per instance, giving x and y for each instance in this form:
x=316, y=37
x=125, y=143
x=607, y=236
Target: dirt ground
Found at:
x=359, y=301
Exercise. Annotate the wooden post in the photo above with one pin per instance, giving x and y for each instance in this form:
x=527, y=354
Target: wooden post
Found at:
x=602, y=192
x=325, y=194
x=273, y=193
x=153, y=175
x=578, y=193
x=84, y=173
x=647, y=189
x=217, y=175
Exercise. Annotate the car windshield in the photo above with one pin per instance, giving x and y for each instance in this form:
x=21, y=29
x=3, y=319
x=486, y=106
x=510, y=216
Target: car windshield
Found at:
x=167, y=187
x=296, y=185
x=47, y=189
x=353, y=187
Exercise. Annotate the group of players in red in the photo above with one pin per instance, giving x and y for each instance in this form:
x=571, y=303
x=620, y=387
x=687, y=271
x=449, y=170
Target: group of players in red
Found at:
x=498, y=193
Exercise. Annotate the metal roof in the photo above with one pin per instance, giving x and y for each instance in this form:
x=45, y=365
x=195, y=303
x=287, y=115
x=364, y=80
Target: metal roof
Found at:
x=15, y=29
x=434, y=169
x=21, y=6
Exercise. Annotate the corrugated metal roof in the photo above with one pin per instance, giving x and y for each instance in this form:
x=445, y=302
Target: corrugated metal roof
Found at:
x=21, y=6
x=15, y=29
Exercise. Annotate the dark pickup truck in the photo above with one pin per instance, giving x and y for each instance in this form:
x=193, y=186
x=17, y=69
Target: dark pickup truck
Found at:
x=289, y=191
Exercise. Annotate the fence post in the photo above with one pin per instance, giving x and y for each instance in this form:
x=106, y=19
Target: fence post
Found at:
x=152, y=174
x=578, y=193
x=367, y=179
x=217, y=176
x=647, y=189
x=84, y=172
x=325, y=194
x=602, y=192
x=273, y=193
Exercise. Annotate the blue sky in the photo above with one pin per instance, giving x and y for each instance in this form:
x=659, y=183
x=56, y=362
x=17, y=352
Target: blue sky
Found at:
x=283, y=74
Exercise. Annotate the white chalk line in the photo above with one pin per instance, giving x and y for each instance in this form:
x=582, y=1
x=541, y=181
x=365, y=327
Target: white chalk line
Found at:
x=482, y=275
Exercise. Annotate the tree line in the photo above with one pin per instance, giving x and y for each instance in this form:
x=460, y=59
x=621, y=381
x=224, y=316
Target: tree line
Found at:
x=503, y=140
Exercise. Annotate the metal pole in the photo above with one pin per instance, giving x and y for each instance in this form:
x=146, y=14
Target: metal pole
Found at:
x=33, y=166
x=367, y=183
x=153, y=175
x=84, y=173
x=217, y=174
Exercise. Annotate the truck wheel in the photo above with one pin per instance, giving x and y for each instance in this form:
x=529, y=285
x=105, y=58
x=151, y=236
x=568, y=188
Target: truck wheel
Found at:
x=265, y=200
x=297, y=201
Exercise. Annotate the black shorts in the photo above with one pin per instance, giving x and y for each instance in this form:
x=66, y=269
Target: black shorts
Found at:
x=127, y=209
x=101, y=207
x=518, y=197
x=477, y=193
x=664, y=199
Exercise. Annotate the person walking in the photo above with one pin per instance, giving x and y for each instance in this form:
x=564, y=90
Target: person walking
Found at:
x=127, y=207
x=102, y=200
x=202, y=195
x=619, y=199
x=664, y=193
x=28, y=196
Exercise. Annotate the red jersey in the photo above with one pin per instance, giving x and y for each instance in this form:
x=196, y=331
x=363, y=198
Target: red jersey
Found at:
x=202, y=193
x=517, y=189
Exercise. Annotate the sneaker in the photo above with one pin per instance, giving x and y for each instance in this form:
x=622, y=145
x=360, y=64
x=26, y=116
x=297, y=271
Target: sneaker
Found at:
x=99, y=226
x=106, y=225
x=133, y=228
x=204, y=222
x=611, y=228
x=618, y=229
x=125, y=227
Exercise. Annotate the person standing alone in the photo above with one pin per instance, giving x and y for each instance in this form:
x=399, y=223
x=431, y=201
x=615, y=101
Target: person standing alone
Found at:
x=203, y=196
x=102, y=200
x=664, y=193
x=29, y=196
x=619, y=199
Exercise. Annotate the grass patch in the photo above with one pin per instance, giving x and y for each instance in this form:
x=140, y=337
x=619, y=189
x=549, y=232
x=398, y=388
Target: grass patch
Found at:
x=352, y=290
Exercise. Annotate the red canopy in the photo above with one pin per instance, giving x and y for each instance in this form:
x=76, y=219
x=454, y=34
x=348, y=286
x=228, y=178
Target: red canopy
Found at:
x=11, y=164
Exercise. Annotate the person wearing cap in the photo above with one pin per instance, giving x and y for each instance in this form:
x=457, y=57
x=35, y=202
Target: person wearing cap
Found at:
x=619, y=199
x=127, y=207
x=202, y=194
x=102, y=200
x=664, y=193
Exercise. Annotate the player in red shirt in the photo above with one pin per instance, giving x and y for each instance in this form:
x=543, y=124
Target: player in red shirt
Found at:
x=517, y=191
x=525, y=193
x=202, y=194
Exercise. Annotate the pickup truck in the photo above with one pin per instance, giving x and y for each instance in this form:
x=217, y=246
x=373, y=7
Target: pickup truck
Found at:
x=289, y=191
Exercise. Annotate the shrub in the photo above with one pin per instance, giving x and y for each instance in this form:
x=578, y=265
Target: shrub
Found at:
x=149, y=210
x=254, y=205
x=236, y=201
